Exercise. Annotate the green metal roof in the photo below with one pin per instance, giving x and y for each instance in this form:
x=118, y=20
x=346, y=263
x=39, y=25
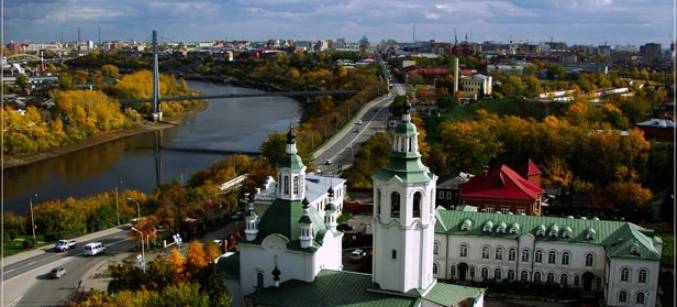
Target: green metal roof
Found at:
x=292, y=161
x=282, y=217
x=407, y=166
x=617, y=236
x=405, y=128
x=330, y=288
x=453, y=295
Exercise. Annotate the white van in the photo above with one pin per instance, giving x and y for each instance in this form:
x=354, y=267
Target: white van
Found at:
x=94, y=248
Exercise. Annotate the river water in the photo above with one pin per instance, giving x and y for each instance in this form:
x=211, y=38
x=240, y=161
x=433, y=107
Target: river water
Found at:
x=236, y=124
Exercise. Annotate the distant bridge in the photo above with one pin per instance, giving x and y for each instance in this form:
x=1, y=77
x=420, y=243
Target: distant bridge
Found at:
x=210, y=151
x=245, y=95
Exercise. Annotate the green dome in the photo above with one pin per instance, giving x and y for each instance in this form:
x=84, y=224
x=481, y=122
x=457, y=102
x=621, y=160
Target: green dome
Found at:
x=405, y=128
x=293, y=162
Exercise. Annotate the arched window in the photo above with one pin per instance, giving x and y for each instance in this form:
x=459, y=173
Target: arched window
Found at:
x=565, y=258
x=463, y=250
x=538, y=256
x=435, y=268
x=589, y=259
x=642, y=276
x=485, y=252
x=552, y=256
x=551, y=278
x=497, y=274
x=499, y=253
x=622, y=297
x=525, y=255
x=511, y=275
x=295, y=186
x=625, y=274
x=472, y=272
x=511, y=254
x=452, y=271
x=564, y=279
x=537, y=276
x=417, y=204
x=524, y=276
x=436, y=248
x=577, y=281
x=286, y=184
x=395, y=205
x=640, y=298
x=485, y=273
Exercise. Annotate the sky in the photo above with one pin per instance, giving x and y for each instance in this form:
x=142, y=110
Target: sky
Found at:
x=573, y=21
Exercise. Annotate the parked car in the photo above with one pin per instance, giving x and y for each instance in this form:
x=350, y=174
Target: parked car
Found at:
x=359, y=122
x=64, y=245
x=358, y=254
x=94, y=248
x=57, y=273
x=328, y=162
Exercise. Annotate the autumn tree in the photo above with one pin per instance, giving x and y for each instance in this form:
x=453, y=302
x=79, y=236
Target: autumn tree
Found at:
x=197, y=258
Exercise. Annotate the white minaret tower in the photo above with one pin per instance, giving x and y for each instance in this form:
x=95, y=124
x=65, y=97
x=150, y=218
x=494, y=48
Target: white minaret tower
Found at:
x=291, y=172
x=306, y=225
x=330, y=211
x=404, y=216
x=251, y=221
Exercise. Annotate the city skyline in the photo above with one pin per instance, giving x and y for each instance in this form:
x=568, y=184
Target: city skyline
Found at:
x=617, y=22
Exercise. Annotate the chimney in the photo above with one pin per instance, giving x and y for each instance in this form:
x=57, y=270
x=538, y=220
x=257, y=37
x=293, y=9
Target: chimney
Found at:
x=456, y=75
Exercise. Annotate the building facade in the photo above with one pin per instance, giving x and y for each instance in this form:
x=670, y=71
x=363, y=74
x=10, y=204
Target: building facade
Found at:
x=618, y=259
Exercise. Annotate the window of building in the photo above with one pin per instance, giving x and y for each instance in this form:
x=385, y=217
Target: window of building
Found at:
x=551, y=278
x=525, y=255
x=511, y=275
x=463, y=250
x=635, y=249
x=622, y=297
x=466, y=225
x=436, y=247
x=563, y=280
x=497, y=274
x=440, y=194
x=537, y=276
x=524, y=276
x=394, y=254
x=395, y=205
x=640, y=298
x=452, y=271
x=499, y=253
x=378, y=202
x=642, y=276
x=514, y=228
x=505, y=210
x=625, y=274
x=417, y=204
x=449, y=195
x=435, y=268
x=295, y=186
x=286, y=184
x=540, y=231
x=511, y=254
x=577, y=281
x=485, y=252
x=565, y=258
x=485, y=273
x=521, y=211
x=538, y=257
x=552, y=257
x=472, y=272
x=259, y=280
x=590, y=234
x=589, y=259
x=490, y=209
x=488, y=226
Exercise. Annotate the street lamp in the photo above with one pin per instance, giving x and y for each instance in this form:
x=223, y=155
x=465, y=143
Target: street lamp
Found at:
x=143, y=251
x=30, y=202
x=138, y=207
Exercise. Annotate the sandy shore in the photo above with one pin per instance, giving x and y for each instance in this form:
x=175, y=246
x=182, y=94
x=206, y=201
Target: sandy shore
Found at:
x=10, y=161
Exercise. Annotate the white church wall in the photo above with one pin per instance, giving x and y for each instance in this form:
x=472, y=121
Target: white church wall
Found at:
x=632, y=286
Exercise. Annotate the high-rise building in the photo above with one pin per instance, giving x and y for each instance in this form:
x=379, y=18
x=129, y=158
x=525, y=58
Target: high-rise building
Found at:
x=650, y=50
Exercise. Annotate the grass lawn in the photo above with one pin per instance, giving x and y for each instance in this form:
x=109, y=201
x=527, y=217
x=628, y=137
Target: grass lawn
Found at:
x=17, y=245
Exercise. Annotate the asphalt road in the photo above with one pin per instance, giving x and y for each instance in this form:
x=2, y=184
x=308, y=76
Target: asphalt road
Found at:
x=53, y=292
x=341, y=153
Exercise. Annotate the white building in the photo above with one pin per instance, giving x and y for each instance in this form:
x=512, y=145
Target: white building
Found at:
x=618, y=259
x=292, y=257
x=476, y=85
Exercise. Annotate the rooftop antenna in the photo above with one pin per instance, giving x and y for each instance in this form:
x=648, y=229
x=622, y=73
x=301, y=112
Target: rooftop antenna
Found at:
x=99, y=35
x=62, y=37
x=466, y=37
x=455, y=37
x=78, y=36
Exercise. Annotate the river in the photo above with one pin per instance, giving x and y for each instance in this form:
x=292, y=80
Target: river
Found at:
x=236, y=124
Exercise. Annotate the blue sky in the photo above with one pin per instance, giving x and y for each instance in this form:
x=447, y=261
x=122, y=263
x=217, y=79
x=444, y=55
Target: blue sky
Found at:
x=573, y=21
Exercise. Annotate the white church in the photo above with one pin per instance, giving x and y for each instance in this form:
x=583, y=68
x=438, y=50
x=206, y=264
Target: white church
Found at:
x=292, y=255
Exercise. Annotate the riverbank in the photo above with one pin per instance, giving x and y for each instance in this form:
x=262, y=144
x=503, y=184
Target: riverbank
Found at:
x=11, y=161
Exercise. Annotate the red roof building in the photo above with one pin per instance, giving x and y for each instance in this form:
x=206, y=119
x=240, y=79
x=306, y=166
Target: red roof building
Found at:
x=531, y=172
x=503, y=189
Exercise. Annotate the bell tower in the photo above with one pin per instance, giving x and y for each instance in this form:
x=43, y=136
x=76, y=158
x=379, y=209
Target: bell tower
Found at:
x=291, y=172
x=404, y=215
